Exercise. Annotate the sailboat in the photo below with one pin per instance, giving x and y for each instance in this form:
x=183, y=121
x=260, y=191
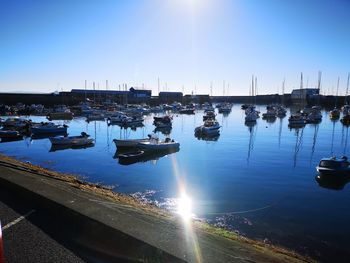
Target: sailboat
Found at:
x=251, y=113
x=335, y=113
x=346, y=108
x=297, y=120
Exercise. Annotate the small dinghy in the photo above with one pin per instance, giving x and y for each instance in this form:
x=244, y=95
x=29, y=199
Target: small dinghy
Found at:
x=334, y=166
x=81, y=140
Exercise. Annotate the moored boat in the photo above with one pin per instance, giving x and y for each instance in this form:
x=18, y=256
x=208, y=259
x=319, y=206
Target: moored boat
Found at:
x=131, y=143
x=158, y=145
x=334, y=114
x=60, y=112
x=80, y=140
x=209, y=115
x=334, y=166
x=345, y=120
x=296, y=120
x=48, y=128
x=210, y=127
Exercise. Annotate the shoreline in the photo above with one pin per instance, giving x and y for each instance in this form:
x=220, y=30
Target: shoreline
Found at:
x=150, y=209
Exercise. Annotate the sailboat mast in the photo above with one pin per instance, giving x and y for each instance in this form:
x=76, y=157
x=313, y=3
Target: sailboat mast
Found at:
x=256, y=88
x=94, y=93
x=252, y=89
x=347, y=89
x=106, y=89
x=283, y=91
x=85, y=90
x=336, y=96
x=301, y=88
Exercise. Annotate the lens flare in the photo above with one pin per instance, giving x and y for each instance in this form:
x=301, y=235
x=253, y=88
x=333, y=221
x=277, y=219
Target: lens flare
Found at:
x=184, y=207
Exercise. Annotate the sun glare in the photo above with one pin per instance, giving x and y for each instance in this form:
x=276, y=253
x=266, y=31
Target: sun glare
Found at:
x=184, y=207
x=194, y=6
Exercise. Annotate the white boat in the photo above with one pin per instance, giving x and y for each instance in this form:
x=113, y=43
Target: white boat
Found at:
x=48, y=127
x=81, y=140
x=210, y=127
x=130, y=143
x=158, y=145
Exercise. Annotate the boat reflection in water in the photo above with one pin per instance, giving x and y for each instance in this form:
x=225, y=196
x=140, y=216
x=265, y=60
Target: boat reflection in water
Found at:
x=56, y=147
x=133, y=127
x=212, y=137
x=332, y=182
x=46, y=135
x=19, y=138
x=127, y=157
x=163, y=130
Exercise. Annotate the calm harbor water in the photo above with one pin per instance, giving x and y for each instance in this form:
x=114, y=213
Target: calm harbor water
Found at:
x=259, y=181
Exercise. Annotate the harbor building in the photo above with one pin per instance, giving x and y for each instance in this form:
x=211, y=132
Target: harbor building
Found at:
x=303, y=95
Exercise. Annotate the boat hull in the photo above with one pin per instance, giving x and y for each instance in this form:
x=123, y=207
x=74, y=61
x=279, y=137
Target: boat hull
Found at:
x=332, y=172
x=133, y=143
x=74, y=141
x=159, y=147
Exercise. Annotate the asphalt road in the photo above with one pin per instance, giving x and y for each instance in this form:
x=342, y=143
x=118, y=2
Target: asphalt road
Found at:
x=23, y=237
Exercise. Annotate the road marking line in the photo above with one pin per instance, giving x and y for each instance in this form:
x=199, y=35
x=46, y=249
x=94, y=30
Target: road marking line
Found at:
x=17, y=220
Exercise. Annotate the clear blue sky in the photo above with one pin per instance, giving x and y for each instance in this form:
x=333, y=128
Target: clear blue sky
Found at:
x=53, y=45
